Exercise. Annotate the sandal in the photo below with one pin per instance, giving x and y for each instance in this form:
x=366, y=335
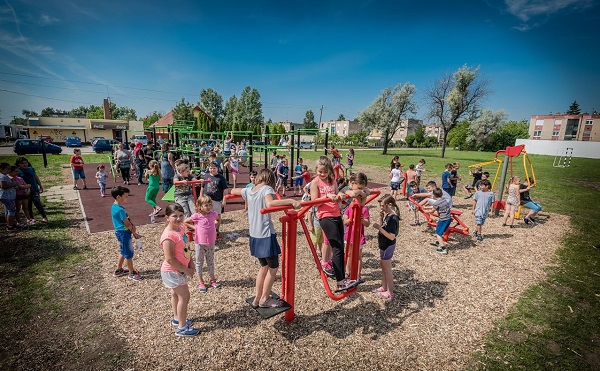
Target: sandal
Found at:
x=271, y=303
x=379, y=289
x=385, y=296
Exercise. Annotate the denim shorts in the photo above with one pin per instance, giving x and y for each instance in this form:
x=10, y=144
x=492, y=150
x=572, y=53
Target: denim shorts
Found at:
x=479, y=220
x=125, y=246
x=10, y=206
x=78, y=174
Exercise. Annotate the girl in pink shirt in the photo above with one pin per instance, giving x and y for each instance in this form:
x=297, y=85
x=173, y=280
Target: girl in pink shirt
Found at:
x=205, y=235
x=330, y=218
x=176, y=267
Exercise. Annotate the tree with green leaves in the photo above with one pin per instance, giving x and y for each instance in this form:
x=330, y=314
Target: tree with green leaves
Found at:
x=183, y=111
x=457, y=138
x=341, y=117
x=410, y=140
x=508, y=134
x=212, y=103
x=574, y=109
x=481, y=129
x=248, y=109
x=420, y=135
x=309, y=120
x=28, y=113
x=454, y=97
x=388, y=110
x=152, y=118
x=229, y=115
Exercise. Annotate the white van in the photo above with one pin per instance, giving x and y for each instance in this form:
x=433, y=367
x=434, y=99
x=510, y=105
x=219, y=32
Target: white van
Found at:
x=139, y=138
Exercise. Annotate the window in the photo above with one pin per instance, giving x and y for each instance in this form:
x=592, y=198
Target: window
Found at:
x=557, y=122
x=589, y=122
x=555, y=133
x=539, y=122
x=537, y=133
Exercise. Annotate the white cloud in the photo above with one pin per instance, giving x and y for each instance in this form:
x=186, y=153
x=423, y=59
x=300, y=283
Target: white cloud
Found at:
x=525, y=10
x=45, y=20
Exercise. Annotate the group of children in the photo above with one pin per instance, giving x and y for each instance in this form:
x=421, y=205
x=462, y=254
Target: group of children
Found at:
x=20, y=189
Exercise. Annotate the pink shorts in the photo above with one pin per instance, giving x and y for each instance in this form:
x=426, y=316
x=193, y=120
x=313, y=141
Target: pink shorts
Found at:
x=234, y=170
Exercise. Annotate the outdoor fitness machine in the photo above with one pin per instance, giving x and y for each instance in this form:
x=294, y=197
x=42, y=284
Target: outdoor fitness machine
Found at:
x=289, y=237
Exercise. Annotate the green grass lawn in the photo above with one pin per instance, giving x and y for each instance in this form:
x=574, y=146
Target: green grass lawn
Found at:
x=555, y=325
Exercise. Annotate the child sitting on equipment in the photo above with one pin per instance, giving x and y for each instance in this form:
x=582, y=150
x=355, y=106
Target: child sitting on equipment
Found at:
x=471, y=188
x=414, y=189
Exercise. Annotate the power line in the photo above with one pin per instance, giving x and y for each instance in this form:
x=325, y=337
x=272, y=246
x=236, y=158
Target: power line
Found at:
x=39, y=96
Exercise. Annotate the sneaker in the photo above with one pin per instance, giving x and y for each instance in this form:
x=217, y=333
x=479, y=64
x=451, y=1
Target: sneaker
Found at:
x=417, y=223
x=120, y=272
x=135, y=276
x=442, y=250
x=76, y=188
x=347, y=284
x=202, y=287
x=215, y=284
x=475, y=234
x=479, y=238
x=186, y=331
x=31, y=221
x=436, y=243
x=328, y=269
x=175, y=322
x=535, y=222
x=526, y=220
x=379, y=289
x=84, y=187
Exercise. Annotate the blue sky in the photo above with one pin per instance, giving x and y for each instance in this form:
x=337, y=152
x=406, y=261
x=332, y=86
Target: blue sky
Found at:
x=539, y=55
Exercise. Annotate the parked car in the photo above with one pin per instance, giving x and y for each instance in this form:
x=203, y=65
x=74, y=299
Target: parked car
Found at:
x=306, y=145
x=73, y=141
x=94, y=139
x=104, y=145
x=139, y=138
x=46, y=138
x=34, y=146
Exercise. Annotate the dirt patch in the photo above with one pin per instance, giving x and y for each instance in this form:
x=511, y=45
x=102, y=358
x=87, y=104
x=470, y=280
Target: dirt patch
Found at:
x=595, y=185
x=443, y=306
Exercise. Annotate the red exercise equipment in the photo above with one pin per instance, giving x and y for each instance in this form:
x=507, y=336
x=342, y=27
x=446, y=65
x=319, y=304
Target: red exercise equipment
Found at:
x=458, y=227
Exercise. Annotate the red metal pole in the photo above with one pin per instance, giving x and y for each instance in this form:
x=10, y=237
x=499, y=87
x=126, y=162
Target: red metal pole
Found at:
x=355, y=233
x=290, y=263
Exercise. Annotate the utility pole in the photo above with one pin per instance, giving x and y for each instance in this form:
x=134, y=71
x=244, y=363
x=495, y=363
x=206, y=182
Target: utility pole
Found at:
x=319, y=124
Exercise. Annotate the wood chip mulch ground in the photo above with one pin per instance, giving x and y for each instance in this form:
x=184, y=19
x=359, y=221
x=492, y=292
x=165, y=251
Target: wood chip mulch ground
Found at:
x=443, y=305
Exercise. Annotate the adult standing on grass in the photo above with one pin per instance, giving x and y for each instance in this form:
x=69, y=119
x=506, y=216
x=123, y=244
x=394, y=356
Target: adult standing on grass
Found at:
x=123, y=161
x=77, y=168
x=27, y=172
x=8, y=195
x=167, y=167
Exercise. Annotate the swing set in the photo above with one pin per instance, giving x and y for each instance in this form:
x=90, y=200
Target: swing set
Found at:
x=289, y=237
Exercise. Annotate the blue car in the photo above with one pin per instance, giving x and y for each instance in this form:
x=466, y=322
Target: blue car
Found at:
x=34, y=146
x=73, y=142
x=104, y=145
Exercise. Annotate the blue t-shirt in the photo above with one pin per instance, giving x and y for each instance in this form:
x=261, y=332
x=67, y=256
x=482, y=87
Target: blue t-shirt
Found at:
x=28, y=175
x=298, y=170
x=283, y=171
x=445, y=179
x=118, y=214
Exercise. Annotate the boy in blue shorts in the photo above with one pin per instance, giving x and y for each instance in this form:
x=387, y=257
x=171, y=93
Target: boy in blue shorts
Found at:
x=124, y=230
x=443, y=209
x=482, y=206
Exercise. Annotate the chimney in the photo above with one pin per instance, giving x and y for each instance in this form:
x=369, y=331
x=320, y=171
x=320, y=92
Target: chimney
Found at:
x=106, y=105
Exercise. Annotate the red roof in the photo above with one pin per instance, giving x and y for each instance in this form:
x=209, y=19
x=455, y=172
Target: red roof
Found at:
x=166, y=120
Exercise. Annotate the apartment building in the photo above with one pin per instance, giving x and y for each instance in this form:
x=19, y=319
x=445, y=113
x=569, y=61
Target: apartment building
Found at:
x=407, y=127
x=341, y=128
x=583, y=127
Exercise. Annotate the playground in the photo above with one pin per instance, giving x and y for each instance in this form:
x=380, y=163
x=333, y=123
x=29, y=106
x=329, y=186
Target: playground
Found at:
x=443, y=308
x=444, y=305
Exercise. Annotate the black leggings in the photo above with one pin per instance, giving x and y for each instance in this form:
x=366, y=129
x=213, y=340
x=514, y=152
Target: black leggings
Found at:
x=125, y=173
x=34, y=199
x=333, y=227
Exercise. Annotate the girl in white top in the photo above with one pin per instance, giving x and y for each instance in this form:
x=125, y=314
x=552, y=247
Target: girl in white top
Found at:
x=101, y=177
x=234, y=166
x=263, y=241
